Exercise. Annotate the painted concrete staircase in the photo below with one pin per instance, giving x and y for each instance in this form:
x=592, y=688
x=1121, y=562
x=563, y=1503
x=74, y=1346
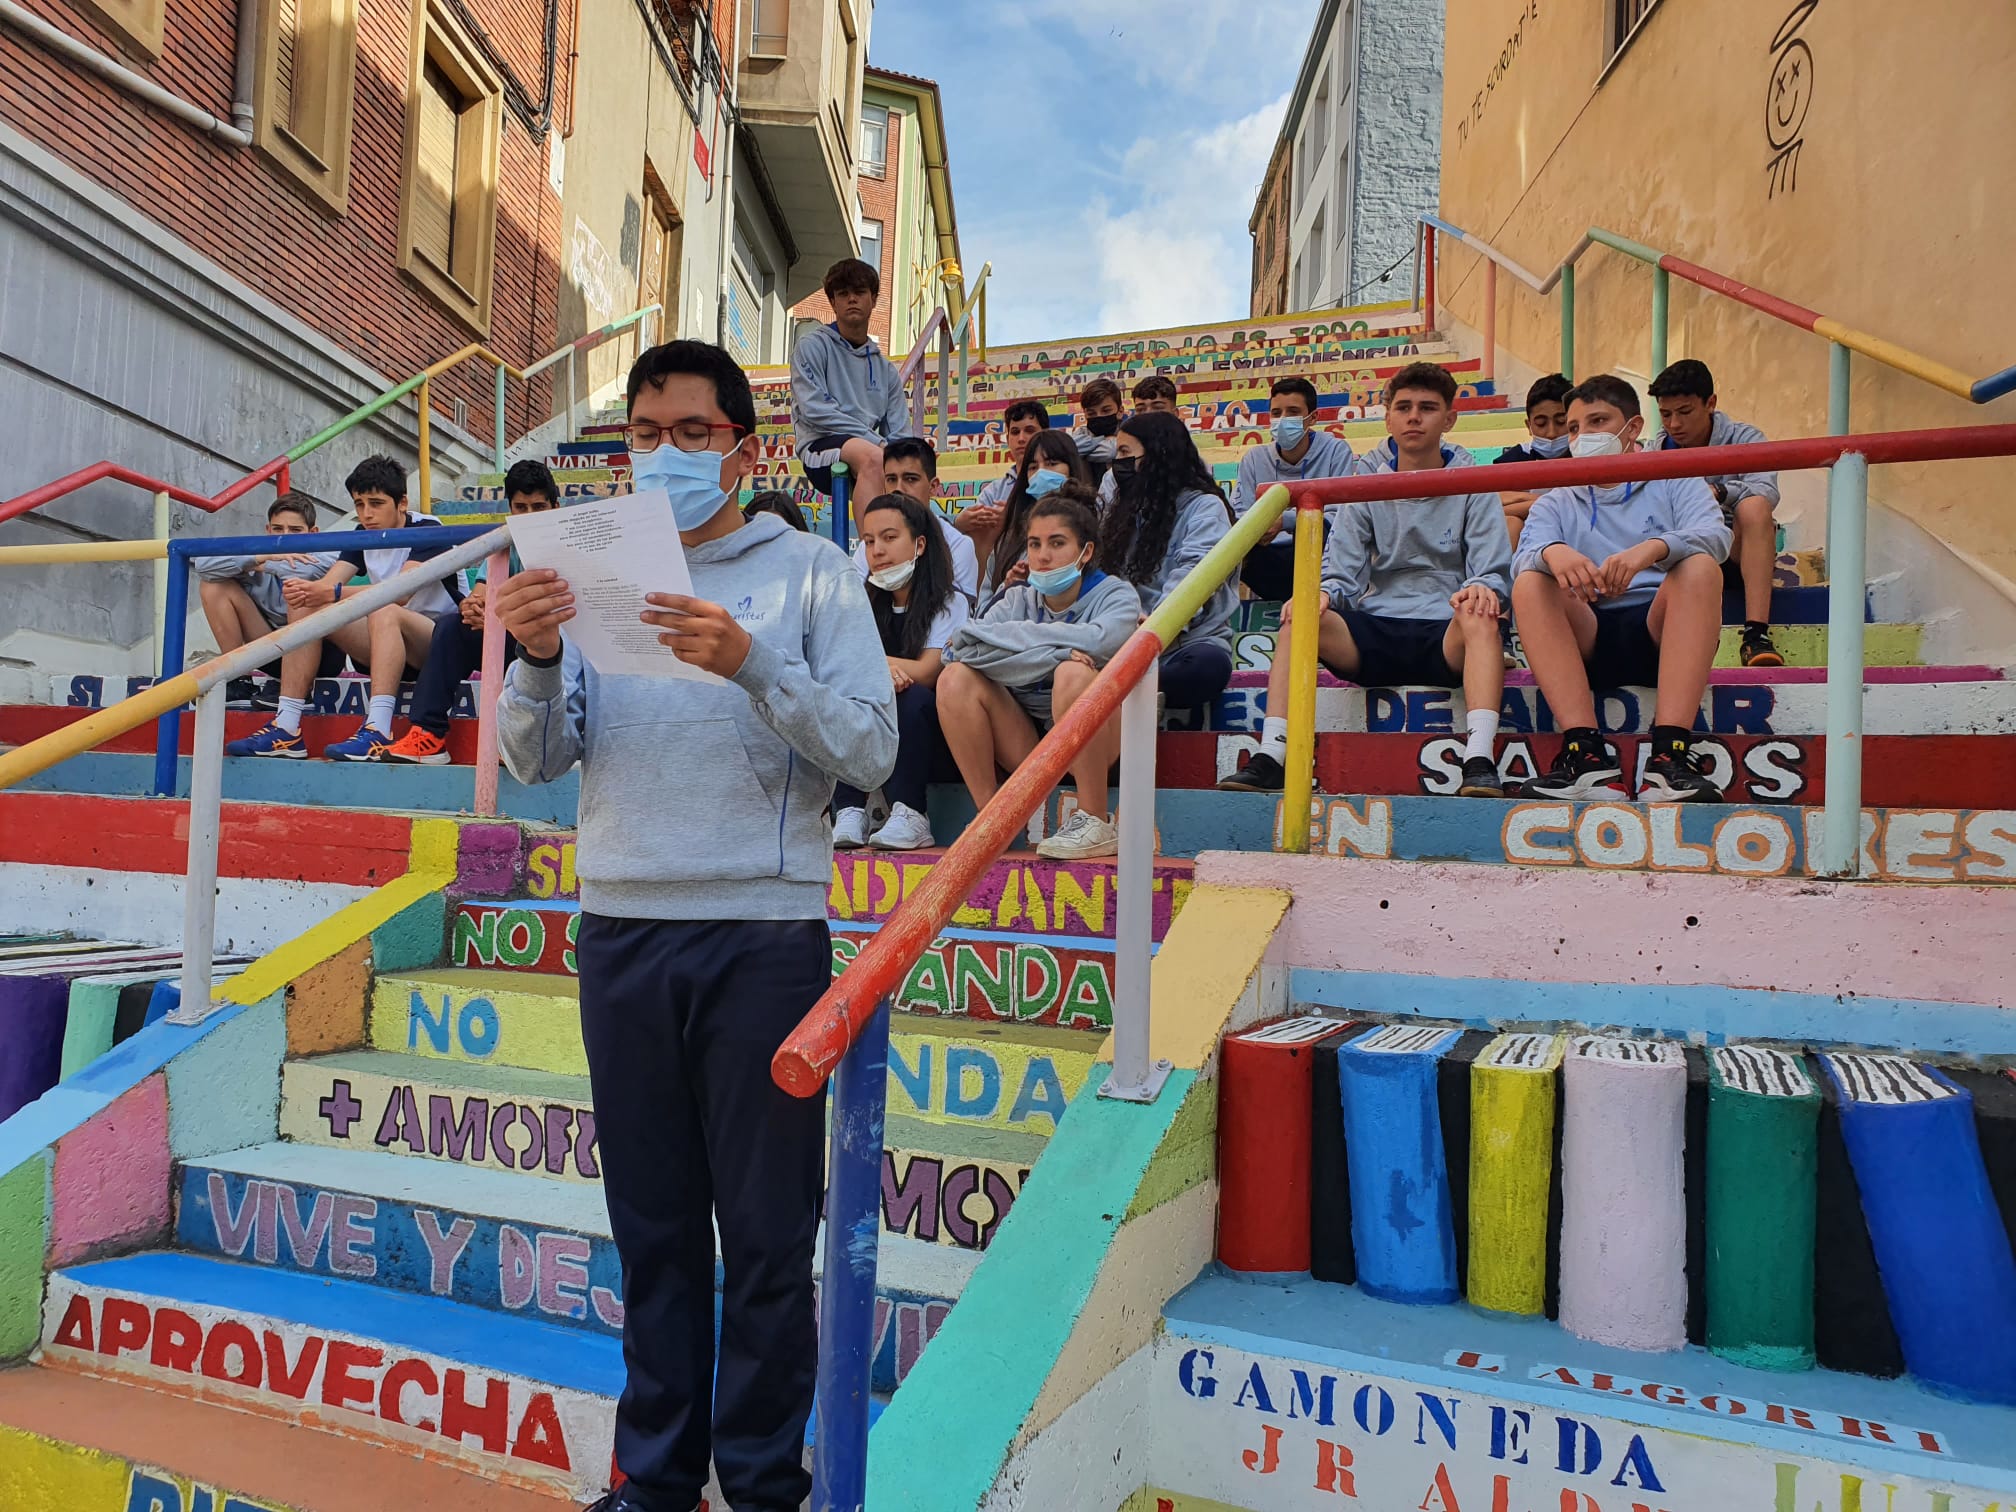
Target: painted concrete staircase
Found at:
x=422, y=1260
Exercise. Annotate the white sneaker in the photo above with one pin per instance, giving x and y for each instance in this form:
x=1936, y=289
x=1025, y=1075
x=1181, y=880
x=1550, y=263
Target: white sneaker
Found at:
x=850, y=829
x=904, y=829
x=1079, y=837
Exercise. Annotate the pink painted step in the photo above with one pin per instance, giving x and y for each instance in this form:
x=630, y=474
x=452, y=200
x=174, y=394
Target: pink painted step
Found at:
x=1739, y=677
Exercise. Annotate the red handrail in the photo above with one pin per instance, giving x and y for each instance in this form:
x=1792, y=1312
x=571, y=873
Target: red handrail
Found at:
x=98, y=472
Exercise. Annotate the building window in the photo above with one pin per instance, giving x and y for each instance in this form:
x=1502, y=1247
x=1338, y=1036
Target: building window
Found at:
x=842, y=71
x=448, y=210
x=871, y=243
x=769, y=28
x=1626, y=17
x=302, y=92
x=874, y=140
x=139, y=23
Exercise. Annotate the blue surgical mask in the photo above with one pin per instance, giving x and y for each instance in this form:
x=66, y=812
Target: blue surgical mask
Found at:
x=1548, y=446
x=691, y=480
x=1288, y=432
x=1043, y=483
x=1057, y=580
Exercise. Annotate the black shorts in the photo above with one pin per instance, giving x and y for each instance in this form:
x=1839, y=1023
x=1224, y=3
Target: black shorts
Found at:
x=818, y=459
x=1625, y=654
x=1398, y=653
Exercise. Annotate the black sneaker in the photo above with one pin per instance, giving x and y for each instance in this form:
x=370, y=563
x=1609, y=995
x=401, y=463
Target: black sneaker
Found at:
x=1581, y=770
x=1481, y=779
x=1261, y=774
x=266, y=693
x=1757, y=649
x=241, y=693
x=1675, y=776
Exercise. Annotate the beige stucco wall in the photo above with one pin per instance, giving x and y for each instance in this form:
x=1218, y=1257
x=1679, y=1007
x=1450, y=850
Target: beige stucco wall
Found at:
x=1900, y=220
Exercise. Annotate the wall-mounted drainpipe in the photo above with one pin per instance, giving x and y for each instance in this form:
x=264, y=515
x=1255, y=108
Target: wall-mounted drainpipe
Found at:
x=237, y=131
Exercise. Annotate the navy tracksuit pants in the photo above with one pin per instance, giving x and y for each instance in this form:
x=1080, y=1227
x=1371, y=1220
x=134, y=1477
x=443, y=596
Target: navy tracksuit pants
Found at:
x=680, y=1019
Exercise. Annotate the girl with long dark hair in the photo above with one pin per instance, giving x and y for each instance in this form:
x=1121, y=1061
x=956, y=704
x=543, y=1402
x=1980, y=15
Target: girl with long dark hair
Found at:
x=1051, y=460
x=1163, y=512
x=917, y=609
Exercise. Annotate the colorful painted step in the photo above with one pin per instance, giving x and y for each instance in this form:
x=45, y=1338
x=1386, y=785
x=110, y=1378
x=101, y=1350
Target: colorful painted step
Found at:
x=1898, y=771
x=942, y=1070
x=527, y=1402
x=488, y=1240
x=947, y=1180
x=82, y=1444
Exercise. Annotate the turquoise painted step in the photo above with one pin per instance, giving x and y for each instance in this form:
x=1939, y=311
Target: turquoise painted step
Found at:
x=486, y=1239
x=947, y=1182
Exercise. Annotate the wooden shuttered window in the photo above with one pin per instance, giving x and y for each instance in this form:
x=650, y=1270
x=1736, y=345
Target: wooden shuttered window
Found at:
x=440, y=108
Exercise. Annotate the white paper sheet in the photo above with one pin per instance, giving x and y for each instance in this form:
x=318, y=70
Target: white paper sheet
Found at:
x=612, y=552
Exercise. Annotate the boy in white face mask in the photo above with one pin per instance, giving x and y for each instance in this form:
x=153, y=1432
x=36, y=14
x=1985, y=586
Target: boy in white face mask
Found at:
x=1546, y=441
x=1297, y=452
x=1615, y=587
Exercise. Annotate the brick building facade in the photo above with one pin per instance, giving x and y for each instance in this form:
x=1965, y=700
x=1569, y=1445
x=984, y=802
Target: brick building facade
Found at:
x=1269, y=229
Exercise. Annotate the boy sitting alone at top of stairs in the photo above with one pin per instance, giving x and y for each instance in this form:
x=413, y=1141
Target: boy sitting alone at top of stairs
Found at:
x=1617, y=587
x=1413, y=589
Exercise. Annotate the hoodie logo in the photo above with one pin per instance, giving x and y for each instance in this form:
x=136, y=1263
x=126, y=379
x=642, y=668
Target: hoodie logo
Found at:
x=746, y=612
x=748, y=603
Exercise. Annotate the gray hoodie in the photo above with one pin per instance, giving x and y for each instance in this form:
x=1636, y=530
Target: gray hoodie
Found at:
x=1020, y=639
x=262, y=584
x=1405, y=558
x=1262, y=467
x=1732, y=488
x=1600, y=522
x=839, y=389
x=1201, y=523
x=705, y=801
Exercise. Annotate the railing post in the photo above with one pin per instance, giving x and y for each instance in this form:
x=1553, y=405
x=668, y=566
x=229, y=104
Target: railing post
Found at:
x=1490, y=369
x=944, y=387
x=847, y=1288
x=1838, y=358
x=162, y=531
x=1299, y=786
x=493, y=685
x=1847, y=535
x=965, y=362
x=571, y=429
x=1568, y=322
x=174, y=635
x=1134, y=1077
x=1661, y=294
x=426, y=489
x=501, y=379
x=199, y=894
x=840, y=521
x=1428, y=277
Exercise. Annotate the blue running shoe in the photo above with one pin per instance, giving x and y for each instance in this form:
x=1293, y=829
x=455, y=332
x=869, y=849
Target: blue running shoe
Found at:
x=366, y=745
x=271, y=741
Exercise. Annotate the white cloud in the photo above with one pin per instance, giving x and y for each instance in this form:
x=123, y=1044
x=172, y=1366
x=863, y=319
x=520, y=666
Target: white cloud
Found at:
x=1181, y=253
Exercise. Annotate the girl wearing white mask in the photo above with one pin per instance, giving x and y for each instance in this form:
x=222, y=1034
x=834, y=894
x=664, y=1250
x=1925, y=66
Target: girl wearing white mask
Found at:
x=1030, y=656
x=917, y=609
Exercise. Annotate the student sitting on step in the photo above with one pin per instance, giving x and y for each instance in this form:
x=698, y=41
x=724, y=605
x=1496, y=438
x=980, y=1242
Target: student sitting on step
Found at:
x=1050, y=461
x=911, y=465
x=1101, y=403
x=1155, y=395
x=917, y=610
x=779, y=503
x=384, y=643
x=1689, y=418
x=1026, y=419
x=1163, y=512
x=457, y=647
x=242, y=596
x=1413, y=589
x=1032, y=654
x=1299, y=452
x=1615, y=587
x=1546, y=441
x=847, y=399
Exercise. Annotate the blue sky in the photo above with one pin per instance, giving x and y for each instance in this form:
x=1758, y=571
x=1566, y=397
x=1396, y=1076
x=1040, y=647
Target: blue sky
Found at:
x=1105, y=156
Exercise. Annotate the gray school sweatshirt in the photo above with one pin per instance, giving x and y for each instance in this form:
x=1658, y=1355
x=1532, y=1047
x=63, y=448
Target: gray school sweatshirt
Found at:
x=262, y=584
x=1405, y=558
x=1020, y=639
x=1262, y=467
x=1600, y=522
x=839, y=389
x=708, y=801
x=1731, y=489
x=1201, y=523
